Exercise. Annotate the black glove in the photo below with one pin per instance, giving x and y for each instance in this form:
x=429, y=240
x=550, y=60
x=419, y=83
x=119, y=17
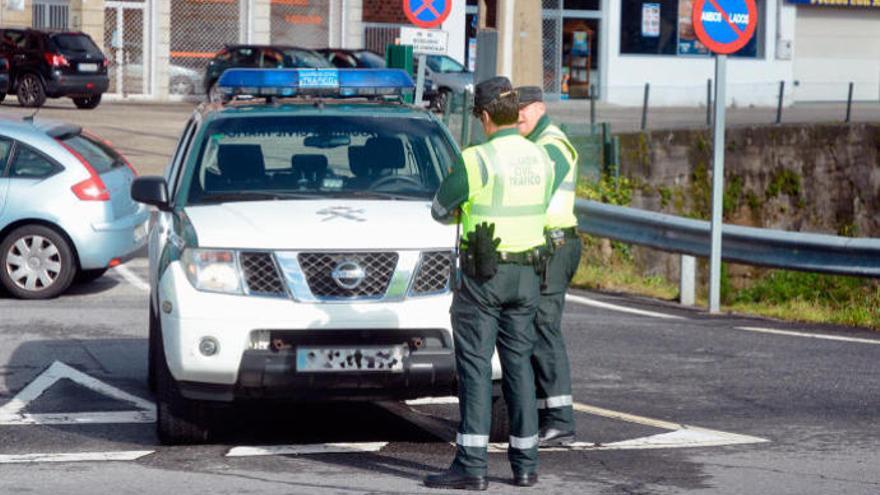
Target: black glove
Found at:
x=486, y=250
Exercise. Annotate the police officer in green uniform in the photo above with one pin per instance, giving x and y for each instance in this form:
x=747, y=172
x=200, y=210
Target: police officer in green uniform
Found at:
x=500, y=195
x=550, y=360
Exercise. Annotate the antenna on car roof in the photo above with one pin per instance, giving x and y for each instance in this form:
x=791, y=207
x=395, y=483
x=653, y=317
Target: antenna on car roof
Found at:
x=30, y=118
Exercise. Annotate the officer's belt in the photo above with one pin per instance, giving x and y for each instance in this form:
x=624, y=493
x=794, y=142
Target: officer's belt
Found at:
x=567, y=233
x=530, y=257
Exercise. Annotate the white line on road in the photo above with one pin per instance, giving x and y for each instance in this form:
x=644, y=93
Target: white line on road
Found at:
x=679, y=436
x=623, y=309
x=131, y=278
x=12, y=413
x=307, y=449
x=810, y=335
x=130, y=455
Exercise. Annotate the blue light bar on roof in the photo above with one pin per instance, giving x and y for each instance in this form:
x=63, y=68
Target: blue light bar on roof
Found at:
x=315, y=82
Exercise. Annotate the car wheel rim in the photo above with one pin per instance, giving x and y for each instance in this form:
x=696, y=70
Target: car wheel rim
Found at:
x=33, y=263
x=180, y=88
x=28, y=89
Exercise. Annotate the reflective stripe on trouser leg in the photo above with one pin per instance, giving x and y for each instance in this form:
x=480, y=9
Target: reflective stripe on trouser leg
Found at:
x=475, y=326
x=555, y=401
x=516, y=341
x=550, y=359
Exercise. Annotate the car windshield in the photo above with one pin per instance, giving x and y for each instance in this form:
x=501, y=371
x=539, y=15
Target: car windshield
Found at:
x=442, y=63
x=283, y=157
x=303, y=58
x=370, y=60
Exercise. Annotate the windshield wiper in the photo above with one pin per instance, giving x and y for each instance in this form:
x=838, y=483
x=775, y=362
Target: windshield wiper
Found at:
x=233, y=196
x=415, y=196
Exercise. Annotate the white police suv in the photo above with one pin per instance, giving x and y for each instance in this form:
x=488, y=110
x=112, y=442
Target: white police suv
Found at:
x=294, y=255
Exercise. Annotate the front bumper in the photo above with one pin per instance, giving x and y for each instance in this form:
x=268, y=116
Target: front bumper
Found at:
x=243, y=370
x=77, y=85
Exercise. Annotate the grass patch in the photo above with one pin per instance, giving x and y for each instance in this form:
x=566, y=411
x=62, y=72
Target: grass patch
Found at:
x=615, y=271
x=812, y=297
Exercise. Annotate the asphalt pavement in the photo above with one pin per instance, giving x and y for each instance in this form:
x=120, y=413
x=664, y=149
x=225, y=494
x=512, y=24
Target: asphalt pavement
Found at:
x=669, y=400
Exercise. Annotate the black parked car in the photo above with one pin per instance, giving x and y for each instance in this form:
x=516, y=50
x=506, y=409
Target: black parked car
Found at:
x=4, y=77
x=353, y=59
x=259, y=56
x=54, y=65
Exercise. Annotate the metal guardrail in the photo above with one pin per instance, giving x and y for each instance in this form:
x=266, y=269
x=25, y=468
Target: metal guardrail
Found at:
x=746, y=245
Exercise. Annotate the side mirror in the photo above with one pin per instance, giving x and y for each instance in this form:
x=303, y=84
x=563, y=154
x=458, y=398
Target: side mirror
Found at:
x=152, y=191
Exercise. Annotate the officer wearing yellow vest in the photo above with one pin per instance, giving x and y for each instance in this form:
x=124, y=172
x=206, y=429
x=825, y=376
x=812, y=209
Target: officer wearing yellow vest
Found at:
x=500, y=196
x=550, y=361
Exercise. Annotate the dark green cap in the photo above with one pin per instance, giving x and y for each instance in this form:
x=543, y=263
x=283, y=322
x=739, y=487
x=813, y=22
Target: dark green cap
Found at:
x=529, y=94
x=490, y=90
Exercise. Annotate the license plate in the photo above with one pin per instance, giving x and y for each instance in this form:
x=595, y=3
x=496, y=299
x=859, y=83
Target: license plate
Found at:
x=318, y=78
x=363, y=359
x=88, y=67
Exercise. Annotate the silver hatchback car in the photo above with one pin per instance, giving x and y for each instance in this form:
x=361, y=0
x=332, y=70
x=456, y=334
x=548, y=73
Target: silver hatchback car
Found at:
x=66, y=212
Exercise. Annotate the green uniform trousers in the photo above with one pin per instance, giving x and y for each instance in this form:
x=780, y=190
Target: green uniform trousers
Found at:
x=499, y=311
x=550, y=360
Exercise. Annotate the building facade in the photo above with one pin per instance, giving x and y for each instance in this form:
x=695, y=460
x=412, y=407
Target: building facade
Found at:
x=158, y=48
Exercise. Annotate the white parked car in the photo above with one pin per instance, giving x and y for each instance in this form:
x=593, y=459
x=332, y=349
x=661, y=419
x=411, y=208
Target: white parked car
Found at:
x=294, y=255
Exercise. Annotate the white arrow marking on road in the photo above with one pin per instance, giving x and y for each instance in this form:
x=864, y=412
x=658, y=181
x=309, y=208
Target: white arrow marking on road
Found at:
x=12, y=413
x=622, y=309
x=130, y=455
x=810, y=335
x=679, y=436
x=307, y=449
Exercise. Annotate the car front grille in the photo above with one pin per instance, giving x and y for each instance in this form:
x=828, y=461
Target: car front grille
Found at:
x=378, y=269
x=435, y=269
x=260, y=274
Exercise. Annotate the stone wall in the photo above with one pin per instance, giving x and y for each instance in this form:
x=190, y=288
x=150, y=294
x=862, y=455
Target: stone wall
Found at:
x=814, y=178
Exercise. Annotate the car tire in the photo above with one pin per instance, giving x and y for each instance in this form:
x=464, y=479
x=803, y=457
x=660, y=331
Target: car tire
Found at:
x=30, y=91
x=87, y=102
x=499, y=432
x=179, y=421
x=181, y=86
x=2, y=97
x=152, y=348
x=214, y=95
x=89, y=276
x=54, y=263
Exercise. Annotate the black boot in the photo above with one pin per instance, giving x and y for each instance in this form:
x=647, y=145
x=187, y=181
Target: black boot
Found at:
x=452, y=479
x=525, y=479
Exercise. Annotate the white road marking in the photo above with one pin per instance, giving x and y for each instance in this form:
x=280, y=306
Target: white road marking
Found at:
x=426, y=401
x=12, y=413
x=679, y=436
x=810, y=335
x=130, y=455
x=131, y=278
x=622, y=309
x=307, y=449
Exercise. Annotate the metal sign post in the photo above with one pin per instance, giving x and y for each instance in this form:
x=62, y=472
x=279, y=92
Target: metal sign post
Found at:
x=718, y=130
x=420, y=79
x=724, y=27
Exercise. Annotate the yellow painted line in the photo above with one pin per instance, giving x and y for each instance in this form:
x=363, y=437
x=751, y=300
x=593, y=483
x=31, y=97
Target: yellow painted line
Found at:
x=631, y=418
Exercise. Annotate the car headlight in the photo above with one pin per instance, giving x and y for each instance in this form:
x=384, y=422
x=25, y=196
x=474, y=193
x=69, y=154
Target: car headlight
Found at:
x=212, y=270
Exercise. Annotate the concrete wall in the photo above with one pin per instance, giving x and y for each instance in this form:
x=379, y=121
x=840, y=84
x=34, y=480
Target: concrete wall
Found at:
x=16, y=18
x=816, y=178
x=88, y=16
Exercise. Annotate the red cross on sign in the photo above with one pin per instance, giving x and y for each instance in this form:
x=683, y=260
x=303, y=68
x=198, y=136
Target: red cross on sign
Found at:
x=427, y=14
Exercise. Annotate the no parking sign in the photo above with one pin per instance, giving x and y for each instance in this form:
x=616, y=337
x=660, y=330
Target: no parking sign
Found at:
x=427, y=14
x=725, y=26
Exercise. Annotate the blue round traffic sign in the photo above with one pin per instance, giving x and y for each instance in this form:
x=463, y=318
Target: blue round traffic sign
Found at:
x=725, y=26
x=427, y=13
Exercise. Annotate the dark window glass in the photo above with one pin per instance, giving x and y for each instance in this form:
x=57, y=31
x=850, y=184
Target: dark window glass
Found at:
x=5, y=146
x=247, y=57
x=29, y=164
x=370, y=60
x=78, y=43
x=633, y=40
x=307, y=59
x=582, y=4
x=272, y=59
x=100, y=156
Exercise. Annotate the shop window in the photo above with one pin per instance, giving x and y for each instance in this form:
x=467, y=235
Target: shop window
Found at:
x=582, y=4
x=664, y=27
